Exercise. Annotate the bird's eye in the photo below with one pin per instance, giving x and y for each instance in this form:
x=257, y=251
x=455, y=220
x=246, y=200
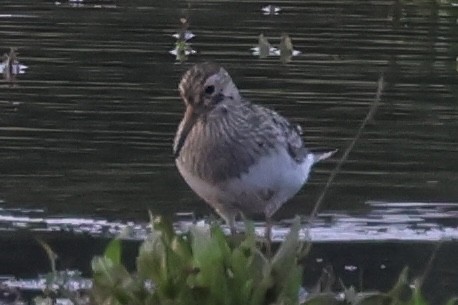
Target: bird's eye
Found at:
x=209, y=89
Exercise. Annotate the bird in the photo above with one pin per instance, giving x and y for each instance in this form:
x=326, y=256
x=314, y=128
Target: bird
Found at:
x=240, y=157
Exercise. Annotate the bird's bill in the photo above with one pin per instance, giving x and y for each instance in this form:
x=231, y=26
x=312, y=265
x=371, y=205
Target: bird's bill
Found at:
x=190, y=118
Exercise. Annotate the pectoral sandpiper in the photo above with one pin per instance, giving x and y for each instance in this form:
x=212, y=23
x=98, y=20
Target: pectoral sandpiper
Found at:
x=237, y=156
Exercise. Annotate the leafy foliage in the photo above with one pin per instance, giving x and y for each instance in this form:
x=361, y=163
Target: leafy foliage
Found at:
x=205, y=267
x=200, y=267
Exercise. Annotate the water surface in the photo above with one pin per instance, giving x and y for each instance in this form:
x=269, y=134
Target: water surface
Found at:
x=86, y=132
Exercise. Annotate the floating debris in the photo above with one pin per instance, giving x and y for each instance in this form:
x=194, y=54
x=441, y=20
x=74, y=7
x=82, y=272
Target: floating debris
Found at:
x=10, y=66
x=271, y=10
x=264, y=48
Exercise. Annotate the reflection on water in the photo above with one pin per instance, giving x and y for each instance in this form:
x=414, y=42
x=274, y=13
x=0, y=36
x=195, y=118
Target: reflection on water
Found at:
x=372, y=247
x=385, y=221
x=74, y=282
x=87, y=3
x=271, y=10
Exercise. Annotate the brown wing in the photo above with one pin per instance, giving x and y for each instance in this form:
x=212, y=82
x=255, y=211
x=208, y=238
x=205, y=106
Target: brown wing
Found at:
x=269, y=126
x=225, y=142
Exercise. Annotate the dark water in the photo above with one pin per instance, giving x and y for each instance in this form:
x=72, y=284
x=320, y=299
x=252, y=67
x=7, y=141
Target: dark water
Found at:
x=87, y=130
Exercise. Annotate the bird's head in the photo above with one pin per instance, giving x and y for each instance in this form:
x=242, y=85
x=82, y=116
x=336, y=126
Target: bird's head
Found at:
x=205, y=85
x=202, y=88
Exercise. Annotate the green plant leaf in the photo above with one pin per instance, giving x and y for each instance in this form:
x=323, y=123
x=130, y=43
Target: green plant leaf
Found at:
x=107, y=272
x=112, y=284
x=164, y=226
x=204, y=267
x=113, y=251
x=417, y=296
x=285, y=269
x=322, y=299
x=350, y=294
x=288, y=249
x=39, y=300
x=452, y=301
x=401, y=290
x=209, y=248
x=371, y=298
x=52, y=256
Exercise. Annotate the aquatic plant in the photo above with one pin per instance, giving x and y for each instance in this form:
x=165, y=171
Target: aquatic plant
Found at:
x=10, y=66
x=285, y=49
x=263, y=48
x=182, y=46
x=60, y=286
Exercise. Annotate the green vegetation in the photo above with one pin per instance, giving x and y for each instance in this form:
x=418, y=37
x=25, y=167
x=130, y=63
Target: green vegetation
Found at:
x=204, y=266
x=200, y=267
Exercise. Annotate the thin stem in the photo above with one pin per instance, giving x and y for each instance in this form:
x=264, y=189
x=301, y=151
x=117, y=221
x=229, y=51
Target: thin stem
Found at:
x=336, y=170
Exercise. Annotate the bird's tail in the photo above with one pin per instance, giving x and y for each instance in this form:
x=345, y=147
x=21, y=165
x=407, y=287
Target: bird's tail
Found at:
x=323, y=155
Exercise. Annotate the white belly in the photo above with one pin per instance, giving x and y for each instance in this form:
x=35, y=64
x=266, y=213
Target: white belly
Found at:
x=268, y=184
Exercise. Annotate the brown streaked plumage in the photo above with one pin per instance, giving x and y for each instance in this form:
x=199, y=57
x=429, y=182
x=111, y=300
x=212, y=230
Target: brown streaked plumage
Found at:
x=237, y=156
